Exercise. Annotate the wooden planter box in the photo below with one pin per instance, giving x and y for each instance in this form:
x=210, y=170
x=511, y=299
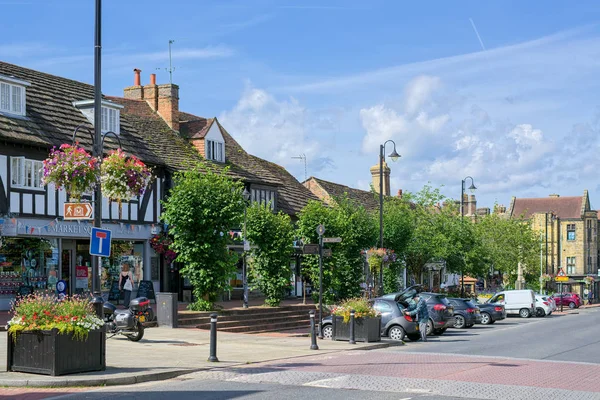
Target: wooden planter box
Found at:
x=50, y=353
x=365, y=329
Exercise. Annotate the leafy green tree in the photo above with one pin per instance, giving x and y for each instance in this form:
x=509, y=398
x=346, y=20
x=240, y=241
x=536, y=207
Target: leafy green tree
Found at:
x=344, y=270
x=272, y=234
x=201, y=207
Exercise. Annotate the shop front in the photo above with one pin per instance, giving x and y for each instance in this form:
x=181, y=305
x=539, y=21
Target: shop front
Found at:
x=36, y=254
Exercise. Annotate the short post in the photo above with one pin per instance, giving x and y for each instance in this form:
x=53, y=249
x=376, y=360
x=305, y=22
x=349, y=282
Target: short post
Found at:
x=313, y=334
x=352, y=341
x=213, y=338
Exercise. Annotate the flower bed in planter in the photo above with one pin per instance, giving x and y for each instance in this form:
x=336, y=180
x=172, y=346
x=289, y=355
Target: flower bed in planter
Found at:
x=366, y=329
x=55, y=337
x=53, y=353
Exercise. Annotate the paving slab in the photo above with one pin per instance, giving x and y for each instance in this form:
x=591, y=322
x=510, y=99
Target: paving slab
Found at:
x=167, y=353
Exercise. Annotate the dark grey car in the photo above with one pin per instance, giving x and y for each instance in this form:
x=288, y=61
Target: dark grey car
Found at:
x=394, y=323
x=441, y=312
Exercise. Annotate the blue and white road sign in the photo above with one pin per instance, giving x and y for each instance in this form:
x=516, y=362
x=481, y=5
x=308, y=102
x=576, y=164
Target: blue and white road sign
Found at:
x=100, y=242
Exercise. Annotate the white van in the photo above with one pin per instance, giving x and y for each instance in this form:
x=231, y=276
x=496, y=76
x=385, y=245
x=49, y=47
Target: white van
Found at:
x=516, y=302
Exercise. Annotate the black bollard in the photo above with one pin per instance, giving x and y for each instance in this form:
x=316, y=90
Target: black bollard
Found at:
x=213, y=338
x=313, y=334
x=352, y=341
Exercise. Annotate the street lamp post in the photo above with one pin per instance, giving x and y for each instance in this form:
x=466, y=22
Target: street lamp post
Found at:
x=246, y=195
x=462, y=214
x=394, y=157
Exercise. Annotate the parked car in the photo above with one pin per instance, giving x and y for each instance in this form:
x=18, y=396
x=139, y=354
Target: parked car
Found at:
x=491, y=312
x=466, y=313
x=394, y=324
x=441, y=312
x=542, y=306
x=572, y=300
x=552, y=303
x=516, y=302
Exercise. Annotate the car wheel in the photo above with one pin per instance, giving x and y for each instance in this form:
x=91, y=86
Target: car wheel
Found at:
x=327, y=332
x=539, y=312
x=429, y=328
x=459, y=322
x=486, y=318
x=525, y=313
x=414, y=337
x=396, y=333
x=572, y=305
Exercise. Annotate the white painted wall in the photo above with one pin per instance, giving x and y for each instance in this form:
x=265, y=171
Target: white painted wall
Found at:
x=214, y=133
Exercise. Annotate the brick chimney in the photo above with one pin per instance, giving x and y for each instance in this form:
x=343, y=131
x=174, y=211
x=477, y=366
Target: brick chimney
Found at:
x=163, y=99
x=471, y=205
x=386, y=178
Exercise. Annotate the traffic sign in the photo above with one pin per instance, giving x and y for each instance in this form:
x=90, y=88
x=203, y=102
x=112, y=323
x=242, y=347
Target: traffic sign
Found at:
x=561, y=276
x=326, y=252
x=311, y=249
x=73, y=211
x=100, y=243
x=332, y=240
x=321, y=230
x=561, y=273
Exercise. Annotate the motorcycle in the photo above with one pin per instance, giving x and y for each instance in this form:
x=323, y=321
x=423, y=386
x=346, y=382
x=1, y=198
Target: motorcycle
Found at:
x=128, y=322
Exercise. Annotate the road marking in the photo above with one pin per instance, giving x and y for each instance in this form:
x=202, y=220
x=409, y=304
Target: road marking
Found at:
x=324, y=383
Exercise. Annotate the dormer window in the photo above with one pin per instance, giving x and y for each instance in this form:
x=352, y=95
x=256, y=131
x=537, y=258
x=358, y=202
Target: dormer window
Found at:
x=111, y=114
x=214, y=151
x=12, y=95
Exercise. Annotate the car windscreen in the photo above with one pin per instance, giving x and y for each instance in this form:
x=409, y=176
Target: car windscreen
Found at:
x=471, y=304
x=444, y=300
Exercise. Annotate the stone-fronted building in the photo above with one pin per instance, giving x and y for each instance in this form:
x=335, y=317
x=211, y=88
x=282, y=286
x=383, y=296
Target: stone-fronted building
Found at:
x=568, y=234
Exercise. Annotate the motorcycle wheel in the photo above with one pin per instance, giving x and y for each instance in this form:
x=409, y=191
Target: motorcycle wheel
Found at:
x=138, y=334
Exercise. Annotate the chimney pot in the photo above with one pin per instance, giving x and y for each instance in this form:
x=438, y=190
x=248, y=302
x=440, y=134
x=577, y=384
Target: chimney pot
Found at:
x=136, y=77
x=153, y=79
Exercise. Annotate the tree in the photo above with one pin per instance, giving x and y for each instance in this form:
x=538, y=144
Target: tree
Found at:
x=344, y=270
x=201, y=207
x=272, y=234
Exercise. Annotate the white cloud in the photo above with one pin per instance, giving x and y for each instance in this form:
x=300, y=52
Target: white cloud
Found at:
x=418, y=91
x=274, y=129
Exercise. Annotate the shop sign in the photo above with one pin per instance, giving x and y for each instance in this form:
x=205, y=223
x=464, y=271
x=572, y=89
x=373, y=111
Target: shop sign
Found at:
x=77, y=211
x=81, y=277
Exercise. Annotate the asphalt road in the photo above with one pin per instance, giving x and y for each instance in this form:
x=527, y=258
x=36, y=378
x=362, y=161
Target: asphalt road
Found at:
x=571, y=337
x=217, y=390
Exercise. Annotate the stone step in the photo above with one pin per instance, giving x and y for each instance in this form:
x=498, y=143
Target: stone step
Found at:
x=245, y=311
x=273, y=318
x=183, y=320
x=269, y=327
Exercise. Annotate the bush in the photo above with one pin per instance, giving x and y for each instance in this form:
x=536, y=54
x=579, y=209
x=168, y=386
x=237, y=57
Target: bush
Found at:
x=361, y=307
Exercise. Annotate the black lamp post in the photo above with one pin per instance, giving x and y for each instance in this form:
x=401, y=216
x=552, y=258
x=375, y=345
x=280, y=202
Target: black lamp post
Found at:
x=462, y=214
x=394, y=157
x=246, y=195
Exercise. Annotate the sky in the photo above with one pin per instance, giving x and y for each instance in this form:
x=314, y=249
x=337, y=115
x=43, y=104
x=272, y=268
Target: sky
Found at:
x=504, y=92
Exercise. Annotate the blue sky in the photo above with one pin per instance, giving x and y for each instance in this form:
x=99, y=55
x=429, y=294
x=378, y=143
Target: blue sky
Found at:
x=517, y=111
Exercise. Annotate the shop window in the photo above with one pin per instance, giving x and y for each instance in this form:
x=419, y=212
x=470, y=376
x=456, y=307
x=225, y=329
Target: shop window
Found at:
x=123, y=252
x=31, y=262
x=570, y=231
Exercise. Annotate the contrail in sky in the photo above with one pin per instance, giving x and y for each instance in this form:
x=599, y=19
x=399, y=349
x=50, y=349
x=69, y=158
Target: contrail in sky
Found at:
x=477, y=33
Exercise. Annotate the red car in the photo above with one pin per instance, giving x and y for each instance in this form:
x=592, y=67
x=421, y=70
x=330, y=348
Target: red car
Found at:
x=572, y=300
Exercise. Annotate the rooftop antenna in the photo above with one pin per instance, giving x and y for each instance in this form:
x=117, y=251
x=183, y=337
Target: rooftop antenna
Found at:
x=303, y=157
x=171, y=68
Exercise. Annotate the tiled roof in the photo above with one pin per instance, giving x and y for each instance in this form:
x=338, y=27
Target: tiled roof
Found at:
x=563, y=207
x=369, y=200
x=194, y=127
x=51, y=117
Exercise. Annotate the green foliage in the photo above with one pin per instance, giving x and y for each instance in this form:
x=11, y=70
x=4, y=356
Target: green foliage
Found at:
x=201, y=207
x=362, y=309
x=391, y=278
x=343, y=271
x=269, y=266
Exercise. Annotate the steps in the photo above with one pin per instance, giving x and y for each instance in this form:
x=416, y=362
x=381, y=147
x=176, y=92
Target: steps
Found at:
x=252, y=320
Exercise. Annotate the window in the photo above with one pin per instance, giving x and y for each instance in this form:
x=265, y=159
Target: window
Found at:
x=214, y=151
x=263, y=196
x=589, y=230
x=382, y=307
x=110, y=120
x=570, y=265
x=570, y=231
x=12, y=98
x=26, y=173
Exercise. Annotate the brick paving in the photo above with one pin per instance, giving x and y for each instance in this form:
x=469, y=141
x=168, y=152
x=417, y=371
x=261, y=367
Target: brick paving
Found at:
x=35, y=393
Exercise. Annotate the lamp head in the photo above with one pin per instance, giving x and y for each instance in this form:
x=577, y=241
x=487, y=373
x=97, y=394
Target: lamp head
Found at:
x=394, y=156
x=472, y=187
x=246, y=194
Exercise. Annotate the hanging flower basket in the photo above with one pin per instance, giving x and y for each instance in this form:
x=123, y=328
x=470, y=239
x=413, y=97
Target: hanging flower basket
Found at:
x=589, y=280
x=160, y=243
x=546, y=278
x=379, y=257
x=72, y=168
x=123, y=177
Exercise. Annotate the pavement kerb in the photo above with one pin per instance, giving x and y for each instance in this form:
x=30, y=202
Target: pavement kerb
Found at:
x=140, y=377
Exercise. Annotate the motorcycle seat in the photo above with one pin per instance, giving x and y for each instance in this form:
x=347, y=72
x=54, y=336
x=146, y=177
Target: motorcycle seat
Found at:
x=126, y=311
